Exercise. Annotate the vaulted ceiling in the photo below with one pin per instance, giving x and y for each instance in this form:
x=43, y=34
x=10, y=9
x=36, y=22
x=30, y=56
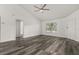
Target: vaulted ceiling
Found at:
x=56, y=10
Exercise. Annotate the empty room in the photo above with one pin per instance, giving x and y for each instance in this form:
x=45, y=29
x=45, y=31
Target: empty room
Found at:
x=39, y=29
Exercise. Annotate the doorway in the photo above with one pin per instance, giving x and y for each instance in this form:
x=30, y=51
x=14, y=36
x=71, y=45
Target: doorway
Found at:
x=19, y=31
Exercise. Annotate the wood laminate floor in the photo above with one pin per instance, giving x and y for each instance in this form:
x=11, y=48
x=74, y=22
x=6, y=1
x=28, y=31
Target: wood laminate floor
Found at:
x=42, y=45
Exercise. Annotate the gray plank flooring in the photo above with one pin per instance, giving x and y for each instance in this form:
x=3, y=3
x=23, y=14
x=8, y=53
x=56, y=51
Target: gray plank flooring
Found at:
x=41, y=45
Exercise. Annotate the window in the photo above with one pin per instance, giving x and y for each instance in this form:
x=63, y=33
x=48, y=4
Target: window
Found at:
x=51, y=27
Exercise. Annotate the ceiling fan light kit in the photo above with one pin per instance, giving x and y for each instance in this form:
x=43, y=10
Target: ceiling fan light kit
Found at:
x=41, y=10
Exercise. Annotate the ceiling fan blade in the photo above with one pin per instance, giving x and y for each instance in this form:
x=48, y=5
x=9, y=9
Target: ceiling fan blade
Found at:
x=36, y=7
x=43, y=6
x=46, y=9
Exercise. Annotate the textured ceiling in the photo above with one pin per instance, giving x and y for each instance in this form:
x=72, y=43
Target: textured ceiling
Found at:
x=56, y=10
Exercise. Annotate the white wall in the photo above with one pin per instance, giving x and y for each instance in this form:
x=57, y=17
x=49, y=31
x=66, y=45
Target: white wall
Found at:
x=0, y=28
x=72, y=22
x=9, y=14
x=67, y=27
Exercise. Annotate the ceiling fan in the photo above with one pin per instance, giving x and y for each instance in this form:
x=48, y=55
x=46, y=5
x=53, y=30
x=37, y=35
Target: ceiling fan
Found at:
x=42, y=8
